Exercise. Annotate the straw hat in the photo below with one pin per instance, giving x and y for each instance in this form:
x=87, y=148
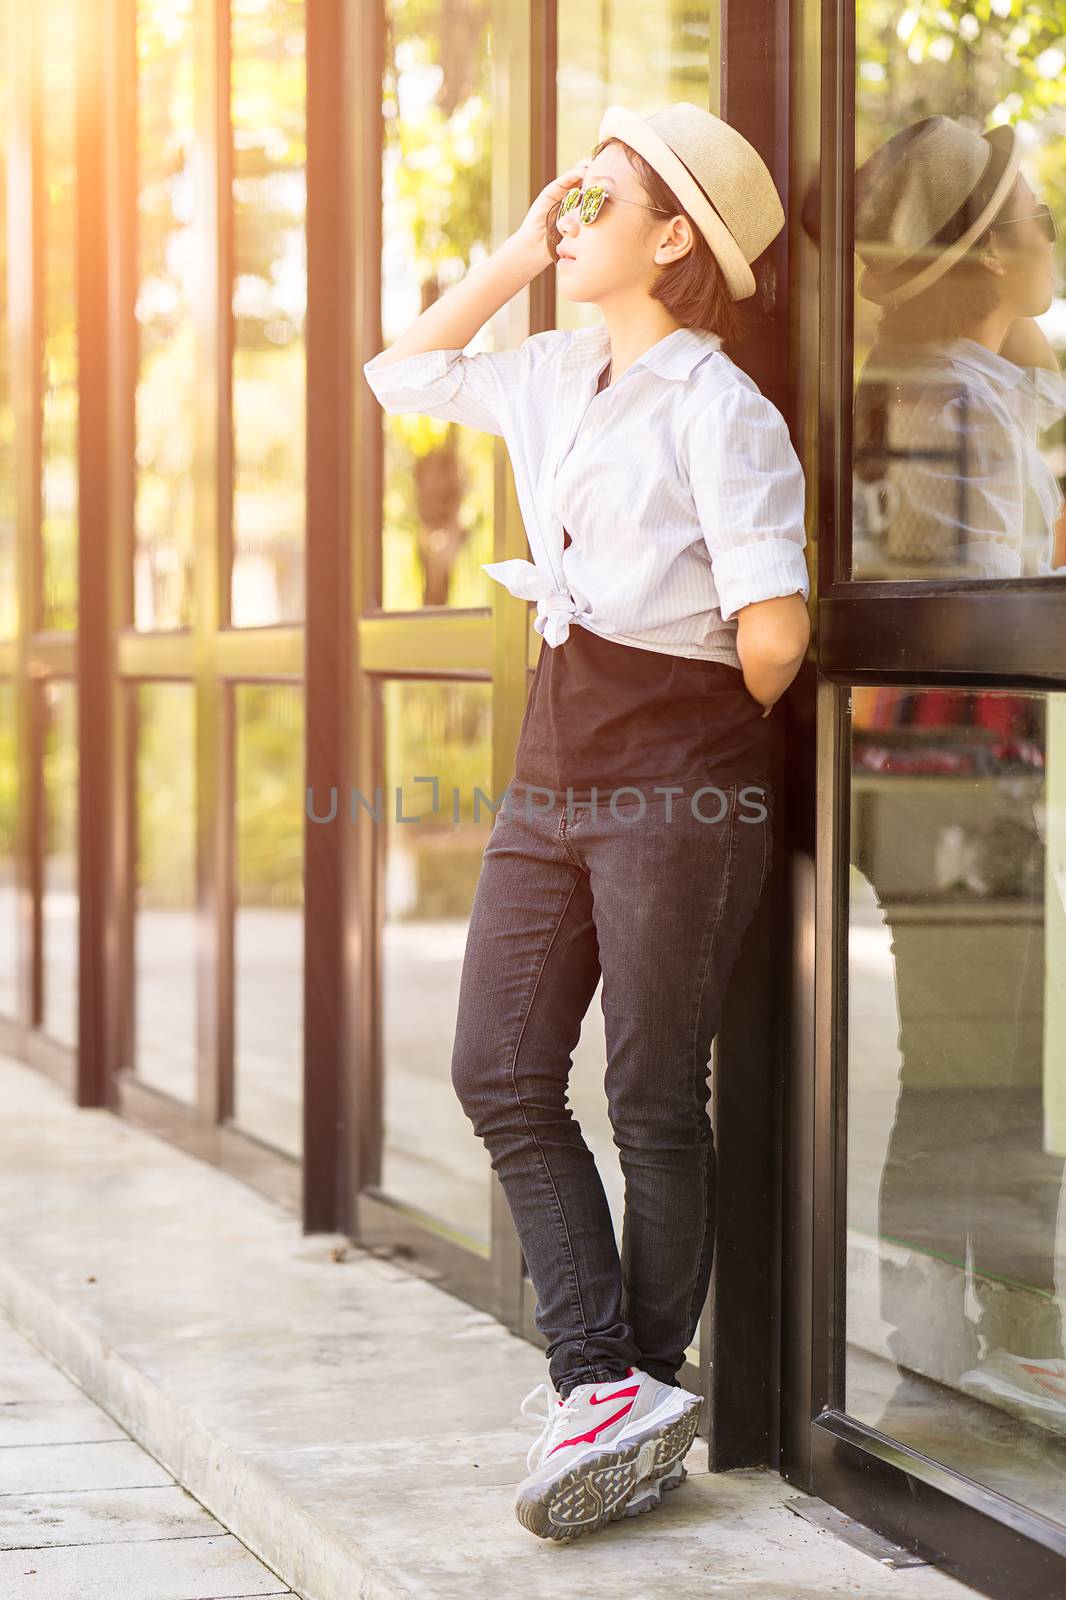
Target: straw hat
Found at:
x=923, y=198
x=719, y=178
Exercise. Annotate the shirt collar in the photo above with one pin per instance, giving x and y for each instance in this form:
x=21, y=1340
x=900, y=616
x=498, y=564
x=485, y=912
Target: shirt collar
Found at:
x=988, y=362
x=672, y=356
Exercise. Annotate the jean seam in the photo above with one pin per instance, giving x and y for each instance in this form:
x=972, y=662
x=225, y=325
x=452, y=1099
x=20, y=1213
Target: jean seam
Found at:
x=564, y=839
x=768, y=839
x=574, y=1279
x=695, y=1066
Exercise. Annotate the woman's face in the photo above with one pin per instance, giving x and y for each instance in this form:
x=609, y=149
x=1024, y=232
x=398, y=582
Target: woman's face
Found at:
x=617, y=252
x=1026, y=256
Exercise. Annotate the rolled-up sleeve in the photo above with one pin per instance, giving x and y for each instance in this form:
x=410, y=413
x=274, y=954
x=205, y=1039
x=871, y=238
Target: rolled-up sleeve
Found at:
x=748, y=488
x=479, y=390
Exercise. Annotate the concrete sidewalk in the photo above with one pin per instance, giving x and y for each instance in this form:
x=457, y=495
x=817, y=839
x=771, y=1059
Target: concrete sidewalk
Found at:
x=353, y=1426
x=85, y=1512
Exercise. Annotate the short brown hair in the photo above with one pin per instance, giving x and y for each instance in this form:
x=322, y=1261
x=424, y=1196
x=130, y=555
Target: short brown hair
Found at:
x=693, y=289
x=961, y=297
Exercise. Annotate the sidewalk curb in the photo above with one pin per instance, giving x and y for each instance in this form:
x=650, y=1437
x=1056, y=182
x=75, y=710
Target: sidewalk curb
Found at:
x=290, y=1541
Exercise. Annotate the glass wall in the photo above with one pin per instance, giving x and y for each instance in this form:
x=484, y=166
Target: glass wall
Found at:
x=438, y=754
x=164, y=925
x=436, y=220
x=57, y=189
x=8, y=593
x=8, y=884
x=168, y=208
x=58, y=705
x=268, y=94
x=960, y=320
x=268, y=931
x=957, y=1085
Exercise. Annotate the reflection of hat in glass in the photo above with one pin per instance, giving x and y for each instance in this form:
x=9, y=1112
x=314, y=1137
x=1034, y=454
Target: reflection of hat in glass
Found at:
x=720, y=179
x=923, y=198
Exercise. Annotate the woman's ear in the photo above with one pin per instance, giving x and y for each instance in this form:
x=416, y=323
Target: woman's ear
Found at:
x=992, y=261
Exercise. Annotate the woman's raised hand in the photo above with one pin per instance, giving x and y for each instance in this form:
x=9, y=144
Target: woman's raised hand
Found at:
x=533, y=230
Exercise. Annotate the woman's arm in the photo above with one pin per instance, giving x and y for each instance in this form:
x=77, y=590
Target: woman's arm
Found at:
x=772, y=640
x=453, y=320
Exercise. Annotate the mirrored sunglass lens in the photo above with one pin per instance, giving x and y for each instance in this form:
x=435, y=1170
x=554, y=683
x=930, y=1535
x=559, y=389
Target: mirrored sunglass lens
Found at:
x=592, y=202
x=570, y=202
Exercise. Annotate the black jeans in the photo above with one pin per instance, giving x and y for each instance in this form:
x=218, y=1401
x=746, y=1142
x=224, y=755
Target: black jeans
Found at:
x=656, y=891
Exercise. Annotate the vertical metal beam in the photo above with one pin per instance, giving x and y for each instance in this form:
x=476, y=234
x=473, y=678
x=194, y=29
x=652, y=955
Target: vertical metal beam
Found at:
x=747, y=1081
x=23, y=147
x=122, y=234
x=357, y=756
x=95, y=906
x=343, y=108
x=828, y=1177
x=212, y=499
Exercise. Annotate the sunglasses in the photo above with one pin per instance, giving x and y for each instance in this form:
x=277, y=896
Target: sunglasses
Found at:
x=591, y=201
x=1048, y=226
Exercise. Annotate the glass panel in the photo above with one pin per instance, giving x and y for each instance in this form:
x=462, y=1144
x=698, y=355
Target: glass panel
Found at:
x=59, y=866
x=956, y=1124
x=436, y=223
x=8, y=885
x=268, y=915
x=960, y=320
x=268, y=93
x=164, y=928
x=59, y=344
x=644, y=56
x=8, y=596
x=431, y=1159
x=167, y=208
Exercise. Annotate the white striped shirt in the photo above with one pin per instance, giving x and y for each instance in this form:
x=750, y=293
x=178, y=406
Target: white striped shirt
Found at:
x=678, y=482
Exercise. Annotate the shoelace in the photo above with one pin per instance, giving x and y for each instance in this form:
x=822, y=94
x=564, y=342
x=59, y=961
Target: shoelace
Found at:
x=553, y=1413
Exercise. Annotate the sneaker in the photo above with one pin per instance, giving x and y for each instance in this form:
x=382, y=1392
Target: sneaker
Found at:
x=597, y=1447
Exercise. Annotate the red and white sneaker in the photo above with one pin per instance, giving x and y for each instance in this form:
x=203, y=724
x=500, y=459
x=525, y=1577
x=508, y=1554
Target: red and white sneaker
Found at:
x=598, y=1447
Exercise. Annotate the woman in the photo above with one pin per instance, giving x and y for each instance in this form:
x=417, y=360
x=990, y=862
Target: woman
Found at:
x=664, y=508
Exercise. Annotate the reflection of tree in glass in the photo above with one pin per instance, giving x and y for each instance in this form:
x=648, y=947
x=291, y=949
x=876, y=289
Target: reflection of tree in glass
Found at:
x=56, y=187
x=437, y=107
x=166, y=218
x=268, y=93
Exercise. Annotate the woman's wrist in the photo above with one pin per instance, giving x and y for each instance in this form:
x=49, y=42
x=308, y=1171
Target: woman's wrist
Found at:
x=530, y=254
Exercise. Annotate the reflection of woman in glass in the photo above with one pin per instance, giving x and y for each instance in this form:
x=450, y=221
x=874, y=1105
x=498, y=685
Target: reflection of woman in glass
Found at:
x=960, y=382
x=664, y=508
x=948, y=477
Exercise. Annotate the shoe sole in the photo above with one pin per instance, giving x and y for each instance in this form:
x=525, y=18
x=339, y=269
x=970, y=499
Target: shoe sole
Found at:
x=597, y=1490
x=643, y=1500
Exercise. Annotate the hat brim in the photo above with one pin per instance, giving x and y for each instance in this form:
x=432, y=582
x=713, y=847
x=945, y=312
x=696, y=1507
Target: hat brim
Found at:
x=618, y=122
x=880, y=294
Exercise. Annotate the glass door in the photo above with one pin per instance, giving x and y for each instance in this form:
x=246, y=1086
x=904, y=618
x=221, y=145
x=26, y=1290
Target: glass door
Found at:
x=935, y=1376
